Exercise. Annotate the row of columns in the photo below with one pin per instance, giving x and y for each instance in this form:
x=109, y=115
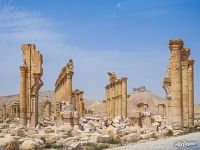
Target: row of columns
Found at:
x=64, y=93
x=78, y=101
x=179, y=86
x=116, y=97
x=11, y=112
x=63, y=86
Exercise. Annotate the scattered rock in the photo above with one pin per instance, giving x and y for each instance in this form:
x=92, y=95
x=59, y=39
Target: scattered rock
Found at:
x=9, y=143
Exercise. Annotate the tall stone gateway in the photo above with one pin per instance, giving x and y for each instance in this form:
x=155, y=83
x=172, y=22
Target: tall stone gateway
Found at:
x=67, y=100
x=30, y=83
x=116, y=96
x=179, y=86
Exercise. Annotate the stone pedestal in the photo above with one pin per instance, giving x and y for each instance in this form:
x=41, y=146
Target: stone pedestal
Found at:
x=67, y=117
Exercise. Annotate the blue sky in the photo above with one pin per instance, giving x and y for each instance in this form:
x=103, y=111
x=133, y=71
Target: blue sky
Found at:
x=129, y=37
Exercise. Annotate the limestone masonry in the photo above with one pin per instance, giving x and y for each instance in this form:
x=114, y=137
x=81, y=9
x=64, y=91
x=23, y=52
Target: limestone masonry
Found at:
x=63, y=119
x=179, y=86
x=67, y=100
x=116, y=96
x=30, y=83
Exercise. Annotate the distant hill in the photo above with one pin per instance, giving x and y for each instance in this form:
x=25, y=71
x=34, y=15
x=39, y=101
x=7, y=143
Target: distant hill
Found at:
x=142, y=95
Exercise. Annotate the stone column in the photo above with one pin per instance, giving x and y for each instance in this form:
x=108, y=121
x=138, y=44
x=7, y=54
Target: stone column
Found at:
x=116, y=101
x=176, y=83
x=120, y=98
x=184, y=61
x=111, y=103
x=106, y=101
x=34, y=115
x=124, y=97
x=23, y=96
x=69, y=86
x=109, y=107
x=113, y=99
x=1, y=113
x=47, y=109
x=81, y=103
x=4, y=112
x=191, y=92
x=17, y=111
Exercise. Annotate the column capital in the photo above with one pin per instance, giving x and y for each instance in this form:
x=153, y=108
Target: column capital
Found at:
x=173, y=44
x=185, y=53
x=23, y=68
x=124, y=78
x=70, y=74
x=191, y=62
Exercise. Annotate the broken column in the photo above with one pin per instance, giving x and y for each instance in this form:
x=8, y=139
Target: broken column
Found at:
x=191, y=92
x=176, y=83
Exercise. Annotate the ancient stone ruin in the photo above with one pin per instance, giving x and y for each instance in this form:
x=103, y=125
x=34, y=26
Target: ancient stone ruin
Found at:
x=67, y=100
x=47, y=109
x=116, y=96
x=30, y=83
x=179, y=86
x=136, y=117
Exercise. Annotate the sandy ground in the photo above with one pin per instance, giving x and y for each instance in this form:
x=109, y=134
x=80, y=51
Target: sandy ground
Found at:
x=186, y=142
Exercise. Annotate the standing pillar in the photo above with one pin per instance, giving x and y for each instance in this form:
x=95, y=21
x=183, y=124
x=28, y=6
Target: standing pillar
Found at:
x=116, y=102
x=4, y=112
x=113, y=99
x=106, y=101
x=124, y=97
x=191, y=92
x=176, y=83
x=34, y=115
x=23, y=96
x=69, y=86
x=81, y=103
x=12, y=111
x=17, y=111
x=109, y=103
x=120, y=98
x=185, y=100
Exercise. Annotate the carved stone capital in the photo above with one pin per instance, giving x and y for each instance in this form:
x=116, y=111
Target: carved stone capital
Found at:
x=185, y=53
x=191, y=62
x=176, y=44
